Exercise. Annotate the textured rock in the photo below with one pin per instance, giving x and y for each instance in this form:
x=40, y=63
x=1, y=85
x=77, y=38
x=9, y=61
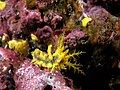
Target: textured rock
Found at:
x=31, y=77
x=76, y=38
x=9, y=62
x=110, y=5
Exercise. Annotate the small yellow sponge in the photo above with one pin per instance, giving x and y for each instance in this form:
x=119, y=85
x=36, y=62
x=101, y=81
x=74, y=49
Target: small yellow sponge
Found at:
x=85, y=21
x=2, y=5
x=21, y=46
x=33, y=37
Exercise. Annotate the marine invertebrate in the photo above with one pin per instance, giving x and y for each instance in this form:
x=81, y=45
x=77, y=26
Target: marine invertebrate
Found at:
x=21, y=46
x=59, y=59
x=2, y=5
x=34, y=37
x=85, y=21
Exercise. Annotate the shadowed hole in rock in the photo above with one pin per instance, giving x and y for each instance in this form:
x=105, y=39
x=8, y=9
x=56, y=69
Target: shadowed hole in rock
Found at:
x=0, y=56
x=48, y=87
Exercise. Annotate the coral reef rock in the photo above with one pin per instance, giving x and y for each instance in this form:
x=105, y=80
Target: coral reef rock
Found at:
x=31, y=77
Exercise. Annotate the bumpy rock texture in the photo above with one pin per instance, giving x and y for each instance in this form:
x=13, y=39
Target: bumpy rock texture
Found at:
x=76, y=38
x=47, y=19
x=32, y=77
x=9, y=62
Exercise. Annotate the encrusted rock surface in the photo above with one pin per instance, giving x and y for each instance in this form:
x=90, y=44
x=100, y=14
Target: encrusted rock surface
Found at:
x=31, y=77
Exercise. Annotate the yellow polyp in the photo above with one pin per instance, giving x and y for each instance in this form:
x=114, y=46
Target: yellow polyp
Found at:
x=49, y=49
x=5, y=37
x=39, y=63
x=54, y=66
x=85, y=21
x=41, y=54
x=37, y=51
x=58, y=60
x=44, y=65
x=50, y=57
x=45, y=57
x=63, y=66
x=49, y=65
x=49, y=52
x=2, y=5
x=10, y=43
x=56, y=53
x=60, y=57
x=33, y=37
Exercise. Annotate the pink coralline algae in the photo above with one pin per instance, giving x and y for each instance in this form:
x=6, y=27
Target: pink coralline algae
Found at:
x=17, y=20
x=31, y=20
x=8, y=13
x=10, y=57
x=9, y=62
x=25, y=21
x=76, y=38
x=110, y=5
x=97, y=12
x=44, y=34
x=31, y=77
x=3, y=26
x=54, y=20
x=43, y=25
x=102, y=23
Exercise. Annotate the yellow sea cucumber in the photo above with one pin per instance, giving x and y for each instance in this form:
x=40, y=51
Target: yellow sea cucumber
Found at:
x=59, y=59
